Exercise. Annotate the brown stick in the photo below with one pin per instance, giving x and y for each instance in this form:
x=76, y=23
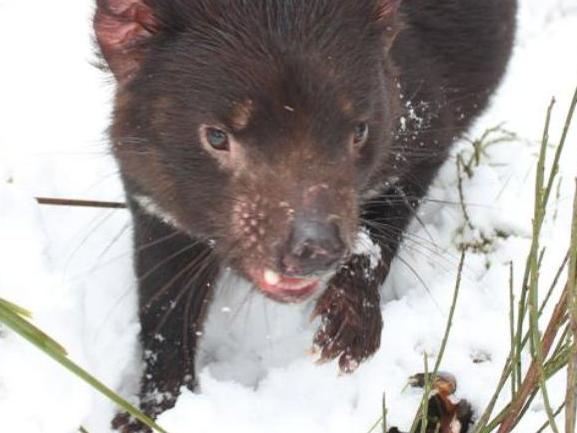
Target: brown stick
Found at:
x=570, y=400
x=80, y=203
x=532, y=376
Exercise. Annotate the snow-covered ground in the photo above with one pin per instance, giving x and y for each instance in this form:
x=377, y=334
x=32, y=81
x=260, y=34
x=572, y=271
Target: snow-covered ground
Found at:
x=72, y=267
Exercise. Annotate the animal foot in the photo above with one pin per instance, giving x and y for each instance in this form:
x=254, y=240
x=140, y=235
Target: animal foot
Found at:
x=125, y=423
x=350, y=329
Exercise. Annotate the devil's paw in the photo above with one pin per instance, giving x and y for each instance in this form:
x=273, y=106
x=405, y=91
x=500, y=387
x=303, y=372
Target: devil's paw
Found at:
x=125, y=423
x=351, y=325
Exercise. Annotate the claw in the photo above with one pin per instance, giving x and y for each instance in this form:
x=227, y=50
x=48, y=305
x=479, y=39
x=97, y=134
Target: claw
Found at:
x=321, y=361
x=348, y=364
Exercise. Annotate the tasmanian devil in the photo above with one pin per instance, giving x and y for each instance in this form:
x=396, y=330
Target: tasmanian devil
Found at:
x=269, y=137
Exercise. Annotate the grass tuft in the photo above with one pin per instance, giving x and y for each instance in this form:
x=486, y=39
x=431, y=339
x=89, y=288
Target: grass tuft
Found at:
x=15, y=318
x=553, y=350
x=527, y=383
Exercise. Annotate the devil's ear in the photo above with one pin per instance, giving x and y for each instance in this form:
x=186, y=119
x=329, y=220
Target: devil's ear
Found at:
x=123, y=28
x=387, y=9
x=387, y=15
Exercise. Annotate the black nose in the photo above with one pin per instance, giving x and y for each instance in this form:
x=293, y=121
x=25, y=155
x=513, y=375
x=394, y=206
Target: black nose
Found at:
x=313, y=247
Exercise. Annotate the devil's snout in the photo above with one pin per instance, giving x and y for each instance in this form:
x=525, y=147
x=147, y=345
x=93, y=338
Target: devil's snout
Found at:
x=313, y=247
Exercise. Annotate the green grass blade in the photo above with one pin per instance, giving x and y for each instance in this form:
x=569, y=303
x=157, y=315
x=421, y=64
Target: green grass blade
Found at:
x=16, y=309
x=13, y=314
x=13, y=320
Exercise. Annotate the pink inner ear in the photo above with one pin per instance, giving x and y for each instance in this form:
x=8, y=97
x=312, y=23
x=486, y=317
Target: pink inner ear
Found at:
x=124, y=20
x=387, y=9
x=120, y=25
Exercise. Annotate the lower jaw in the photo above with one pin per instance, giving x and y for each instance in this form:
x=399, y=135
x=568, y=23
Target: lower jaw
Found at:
x=291, y=295
x=286, y=289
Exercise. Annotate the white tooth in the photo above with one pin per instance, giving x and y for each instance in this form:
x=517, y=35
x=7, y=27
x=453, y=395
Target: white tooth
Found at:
x=271, y=277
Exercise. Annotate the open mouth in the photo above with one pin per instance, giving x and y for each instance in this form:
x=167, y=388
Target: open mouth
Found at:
x=282, y=288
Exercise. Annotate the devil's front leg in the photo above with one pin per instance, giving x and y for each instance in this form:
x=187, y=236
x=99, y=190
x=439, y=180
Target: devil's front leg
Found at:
x=350, y=312
x=350, y=309
x=175, y=279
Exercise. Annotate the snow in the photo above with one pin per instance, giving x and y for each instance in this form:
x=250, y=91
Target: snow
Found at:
x=72, y=267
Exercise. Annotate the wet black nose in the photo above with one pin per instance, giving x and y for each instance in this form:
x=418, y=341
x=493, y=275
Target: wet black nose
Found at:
x=313, y=247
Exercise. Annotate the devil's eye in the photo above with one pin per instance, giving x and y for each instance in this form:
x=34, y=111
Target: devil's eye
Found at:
x=361, y=133
x=217, y=138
